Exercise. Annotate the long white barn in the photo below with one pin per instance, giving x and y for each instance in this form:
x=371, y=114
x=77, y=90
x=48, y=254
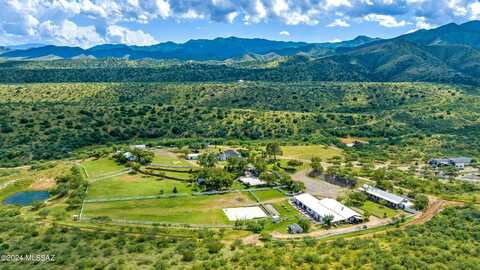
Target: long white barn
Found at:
x=318, y=209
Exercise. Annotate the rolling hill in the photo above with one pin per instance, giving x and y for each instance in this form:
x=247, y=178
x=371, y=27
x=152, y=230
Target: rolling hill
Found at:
x=445, y=54
x=467, y=34
x=200, y=50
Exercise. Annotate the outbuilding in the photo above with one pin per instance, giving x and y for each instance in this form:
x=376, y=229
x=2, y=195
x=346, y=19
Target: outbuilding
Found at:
x=393, y=200
x=458, y=162
x=228, y=154
x=320, y=209
x=295, y=228
x=193, y=156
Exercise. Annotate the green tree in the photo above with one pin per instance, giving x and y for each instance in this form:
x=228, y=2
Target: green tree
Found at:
x=273, y=149
x=420, y=202
x=215, y=179
x=305, y=224
x=317, y=168
x=207, y=160
x=327, y=220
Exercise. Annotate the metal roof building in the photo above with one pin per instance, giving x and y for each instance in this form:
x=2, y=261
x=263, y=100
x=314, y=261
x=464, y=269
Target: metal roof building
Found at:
x=318, y=209
x=392, y=199
x=458, y=162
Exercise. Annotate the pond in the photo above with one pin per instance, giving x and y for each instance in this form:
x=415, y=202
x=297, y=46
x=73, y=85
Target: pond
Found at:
x=26, y=197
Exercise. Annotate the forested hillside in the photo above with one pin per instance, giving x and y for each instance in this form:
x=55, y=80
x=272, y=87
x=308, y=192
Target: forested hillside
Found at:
x=47, y=121
x=386, y=61
x=447, y=54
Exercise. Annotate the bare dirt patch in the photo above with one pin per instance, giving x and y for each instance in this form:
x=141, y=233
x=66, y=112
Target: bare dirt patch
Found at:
x=252, y=240
x=318, y=187
x=43, y=184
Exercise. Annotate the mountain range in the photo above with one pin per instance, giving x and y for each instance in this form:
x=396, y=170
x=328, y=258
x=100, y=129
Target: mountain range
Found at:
x=450, y=53
x=201, y=50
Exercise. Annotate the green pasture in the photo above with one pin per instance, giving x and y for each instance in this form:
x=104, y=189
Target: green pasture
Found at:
x=165, y=157
x=379, y=210
x=205, y=209
x=134, y=185
x=98, y=167
x=307, y=152
x=269, y=194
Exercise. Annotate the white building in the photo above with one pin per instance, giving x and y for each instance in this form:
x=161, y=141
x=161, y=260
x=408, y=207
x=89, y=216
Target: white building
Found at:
x=193, y=156
x=244, y=213
x=318, y=209
x=139, y=146
x=251, y=181
x=129, y=156
x=392, y=200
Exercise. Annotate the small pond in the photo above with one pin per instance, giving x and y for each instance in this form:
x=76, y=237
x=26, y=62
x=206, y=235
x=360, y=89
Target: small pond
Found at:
x=26, y=197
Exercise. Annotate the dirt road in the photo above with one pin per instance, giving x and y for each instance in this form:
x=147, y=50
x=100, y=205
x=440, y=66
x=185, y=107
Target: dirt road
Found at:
x=316, y=186
x=435, y=206
x=374, y=222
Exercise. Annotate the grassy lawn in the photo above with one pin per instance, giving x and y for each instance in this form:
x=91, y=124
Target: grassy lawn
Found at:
x=189, y=209
x=134, y=185
x=288, y=215
x=165, y=157
x=265, y=195
x=178, y=175
x=97, y=167
x=306, y=152
x=379, y=210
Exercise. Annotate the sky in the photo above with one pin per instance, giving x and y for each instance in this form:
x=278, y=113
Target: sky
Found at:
x=86, y=23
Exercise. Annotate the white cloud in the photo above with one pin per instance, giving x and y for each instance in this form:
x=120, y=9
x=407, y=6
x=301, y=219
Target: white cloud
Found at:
x=339, y=23
x=421, y=23
x=231, y=16
x=474, y=10
x=337, y=3
x=192, y=15
x=119, y=34
x=384, y=20
x=21, y=19
x=284, y=33
x=69, y=33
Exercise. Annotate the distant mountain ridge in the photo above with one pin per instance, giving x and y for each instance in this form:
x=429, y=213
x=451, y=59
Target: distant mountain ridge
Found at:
x=449, y=54
x=201, y=50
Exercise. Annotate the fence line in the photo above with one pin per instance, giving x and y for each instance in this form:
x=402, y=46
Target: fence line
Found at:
x=112, y=174
x=236, y=190
x=133, y=198
x=162, y=196
x=170, y=166
x=85, y=171
x=83, y=204
x=169, y=224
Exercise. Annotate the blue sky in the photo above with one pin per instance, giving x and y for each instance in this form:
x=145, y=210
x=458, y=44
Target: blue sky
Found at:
x=86, y=23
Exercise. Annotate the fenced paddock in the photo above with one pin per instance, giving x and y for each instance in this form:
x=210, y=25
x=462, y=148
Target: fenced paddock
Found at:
x=185, y=209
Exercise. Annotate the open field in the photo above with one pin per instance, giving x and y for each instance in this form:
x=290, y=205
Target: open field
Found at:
x=379, y=210
x=165, y=157
x=307, y=152
x=270, y=194
x=98, y=167
x=134, y=185
x=189, y=209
